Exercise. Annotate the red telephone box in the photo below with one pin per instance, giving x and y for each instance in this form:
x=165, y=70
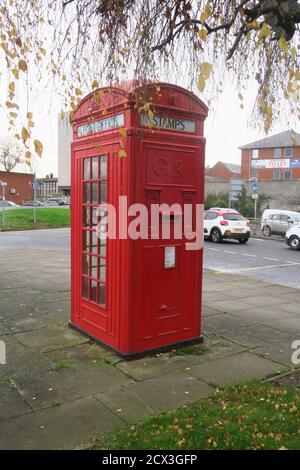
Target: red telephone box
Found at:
x=136, y=295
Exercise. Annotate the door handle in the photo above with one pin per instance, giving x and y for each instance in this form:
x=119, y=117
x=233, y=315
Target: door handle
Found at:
x=163, y=307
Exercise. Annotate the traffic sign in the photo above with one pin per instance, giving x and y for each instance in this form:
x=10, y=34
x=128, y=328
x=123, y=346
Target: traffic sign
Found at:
x=35, y=186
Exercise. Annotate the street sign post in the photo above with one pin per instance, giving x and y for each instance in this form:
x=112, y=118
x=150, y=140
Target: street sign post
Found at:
x=35, y=187
x=3, y=184
x=255, y=194
x=236, y=187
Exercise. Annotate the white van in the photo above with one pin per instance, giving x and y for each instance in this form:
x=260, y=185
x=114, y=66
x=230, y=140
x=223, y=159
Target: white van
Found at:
x=278, y=221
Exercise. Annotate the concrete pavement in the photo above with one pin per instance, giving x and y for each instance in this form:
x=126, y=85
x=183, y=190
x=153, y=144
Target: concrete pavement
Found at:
x=61, y=391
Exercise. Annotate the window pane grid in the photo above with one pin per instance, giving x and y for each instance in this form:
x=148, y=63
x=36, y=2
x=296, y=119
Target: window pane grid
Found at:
x=94, y=261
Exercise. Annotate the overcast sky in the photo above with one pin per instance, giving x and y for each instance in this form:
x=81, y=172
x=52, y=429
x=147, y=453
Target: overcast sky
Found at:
x=227, y=127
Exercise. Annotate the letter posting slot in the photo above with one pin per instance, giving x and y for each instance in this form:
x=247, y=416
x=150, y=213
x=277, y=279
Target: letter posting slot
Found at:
x=138, y=292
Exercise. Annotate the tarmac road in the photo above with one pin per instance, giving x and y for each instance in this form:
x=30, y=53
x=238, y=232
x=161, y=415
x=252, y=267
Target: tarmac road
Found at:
x=269, y=260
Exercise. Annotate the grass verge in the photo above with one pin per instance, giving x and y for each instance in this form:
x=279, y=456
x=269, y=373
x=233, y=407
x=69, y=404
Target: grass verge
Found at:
x=22, y=219
x=249, y=416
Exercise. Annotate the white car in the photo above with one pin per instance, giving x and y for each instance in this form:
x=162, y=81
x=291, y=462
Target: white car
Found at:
x=292, y=237
x=230, y=225
x=4, y=205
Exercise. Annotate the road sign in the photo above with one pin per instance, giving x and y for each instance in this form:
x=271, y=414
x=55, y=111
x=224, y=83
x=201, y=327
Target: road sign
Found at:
x=254, y=188
x=236, y=187
x=3, y=183
x=35, y=186
x=254, y=196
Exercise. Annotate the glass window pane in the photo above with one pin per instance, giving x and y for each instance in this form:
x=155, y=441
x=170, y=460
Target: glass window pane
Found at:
x=86, y=216
x=103, y=166
x=85, y=287
x=103, y=192
x=86, y=192
x=94, y=192
x=95, y=168
x=94, y=263
x=93, y=291
x=102, y=294
x=277, y=152
x=94, y=216
x=87, y=169
x=85, y=264
x=288, y=151
x=103, y=273
x=103, y=248
x=94, y=247
x=85, y=240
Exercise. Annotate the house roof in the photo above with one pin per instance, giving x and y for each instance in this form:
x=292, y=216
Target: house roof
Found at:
x=233, y=167
x=283, y=139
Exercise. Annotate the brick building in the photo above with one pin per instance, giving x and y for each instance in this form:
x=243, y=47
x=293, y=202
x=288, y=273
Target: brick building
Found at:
x=48, y=186
x=19, y=186
x=274, y=158
x=223, y=171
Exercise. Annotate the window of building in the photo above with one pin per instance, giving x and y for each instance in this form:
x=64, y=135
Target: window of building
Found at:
x=288, y=151
x=287, y=174
x=277, y=175
x=277, y=152
x=255, y=153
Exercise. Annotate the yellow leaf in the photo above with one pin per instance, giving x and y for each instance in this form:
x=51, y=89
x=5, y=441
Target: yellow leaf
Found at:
x=202, y=34
x=11, y=87
x=13, y=115
x=15, y=73
x=23, y=65
x=283, y=44
x=27, y=162
x=122, y=153
x=95, y=84
x=297, y=75
x=201, y=83
x=206, y=69
x=28, y=154
x=122, y=132
x=78, y=91
x=265, y=31
x=38, y=147
x=29, y=116
x=25, y=134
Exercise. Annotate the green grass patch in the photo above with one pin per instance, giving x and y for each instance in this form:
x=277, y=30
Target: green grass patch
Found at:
x=195, y=350
x=62, y=365
x=248, y=416
x=22, y=219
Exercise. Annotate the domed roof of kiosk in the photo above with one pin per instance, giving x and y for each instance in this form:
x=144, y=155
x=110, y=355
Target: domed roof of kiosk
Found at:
x=161, y=94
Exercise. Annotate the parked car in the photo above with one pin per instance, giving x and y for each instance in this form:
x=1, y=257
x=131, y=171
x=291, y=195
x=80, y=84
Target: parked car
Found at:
x=8, y=205
x=224, y=209
x=292, y=237
x=277, y=222
x=53, y=200
x=230, y=225
x=31, y=203
x=51, y=203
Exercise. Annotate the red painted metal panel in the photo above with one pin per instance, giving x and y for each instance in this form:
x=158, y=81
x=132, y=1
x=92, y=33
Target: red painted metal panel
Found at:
x=128, y=294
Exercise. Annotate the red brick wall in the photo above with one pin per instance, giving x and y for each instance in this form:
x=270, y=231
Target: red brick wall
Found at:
x=267, y=154
x=221, y=172
x=21, y=182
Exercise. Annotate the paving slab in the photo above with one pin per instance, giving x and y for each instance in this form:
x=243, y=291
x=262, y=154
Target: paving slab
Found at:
x=169, y=391
x=12, y=403
x=68, y=382
x=50, y=338
x=228, y=371
x=229, y=306
x=64, y=427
